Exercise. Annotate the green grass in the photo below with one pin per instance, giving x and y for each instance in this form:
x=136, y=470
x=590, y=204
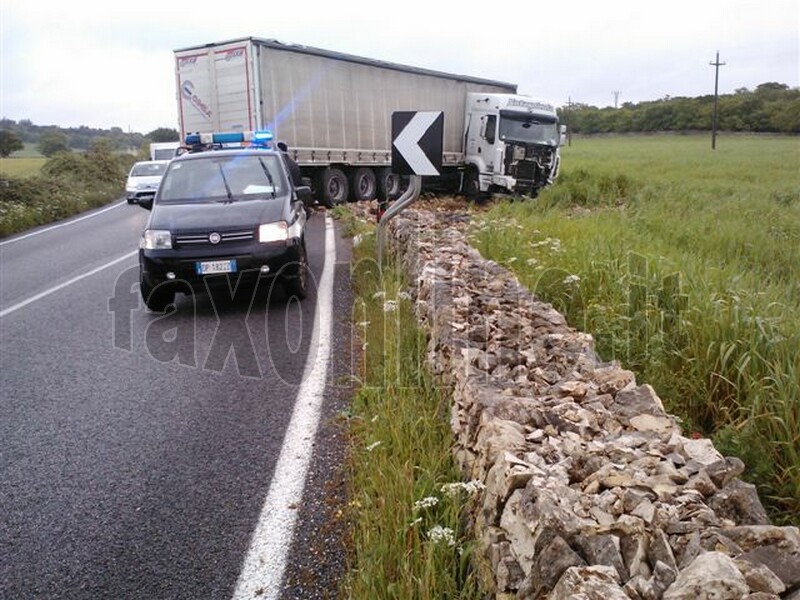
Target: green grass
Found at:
x=16, y=166
x=685, y=265
x=407, y=537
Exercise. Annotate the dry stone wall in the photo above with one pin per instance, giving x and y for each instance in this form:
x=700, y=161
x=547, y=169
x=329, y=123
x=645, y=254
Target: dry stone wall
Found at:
x=591, y=489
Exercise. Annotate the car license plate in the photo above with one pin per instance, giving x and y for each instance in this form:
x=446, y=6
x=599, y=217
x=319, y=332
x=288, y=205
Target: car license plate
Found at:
x=215, y=266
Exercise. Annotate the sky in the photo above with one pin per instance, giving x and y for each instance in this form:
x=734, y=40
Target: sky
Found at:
x=110, y=64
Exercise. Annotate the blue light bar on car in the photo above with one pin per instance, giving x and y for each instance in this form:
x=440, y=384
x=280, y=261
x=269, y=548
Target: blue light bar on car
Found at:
x=256, y=138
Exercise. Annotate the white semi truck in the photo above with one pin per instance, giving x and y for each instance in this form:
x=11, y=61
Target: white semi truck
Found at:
x=334, y=112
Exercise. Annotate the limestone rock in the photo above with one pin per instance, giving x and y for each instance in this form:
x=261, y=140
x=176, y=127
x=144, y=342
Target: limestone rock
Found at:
x=589, y=583
x=711, y=576
x=739, y=502
x=550, y=564
x=759, y=578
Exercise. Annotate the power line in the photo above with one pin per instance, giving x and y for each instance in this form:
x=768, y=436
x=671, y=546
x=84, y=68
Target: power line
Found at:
x=717, y=65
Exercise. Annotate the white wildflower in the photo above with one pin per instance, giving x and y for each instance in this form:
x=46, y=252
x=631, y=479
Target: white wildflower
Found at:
x=390, y=306
x=372, y=446
x=404, y=296
x=570, y=279
x=531, y=261
x=378, y=295
x=363, y=324
x=357, y=240
x=471, y=487
x=439, y=534
x=427, y=502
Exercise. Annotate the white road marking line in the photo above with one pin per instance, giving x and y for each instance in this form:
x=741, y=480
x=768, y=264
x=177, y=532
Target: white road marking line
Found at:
x=265, y=562
x=46, y=229
x=61, y=286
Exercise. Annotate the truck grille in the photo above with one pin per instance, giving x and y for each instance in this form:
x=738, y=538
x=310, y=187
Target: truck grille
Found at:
x=526, y=170
x=198, y=239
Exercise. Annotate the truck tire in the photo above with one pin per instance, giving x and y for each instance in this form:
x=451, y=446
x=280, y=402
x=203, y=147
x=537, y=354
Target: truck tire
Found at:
x=389, y=184
x=363, y=185
x=472, y=186
x=334, y=187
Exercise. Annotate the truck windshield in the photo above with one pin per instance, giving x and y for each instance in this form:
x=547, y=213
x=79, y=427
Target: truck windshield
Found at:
x=222, y=178
x=528, y=129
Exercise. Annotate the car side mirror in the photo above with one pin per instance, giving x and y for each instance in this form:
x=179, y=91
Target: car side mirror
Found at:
x=147, y=204
x=303, y=193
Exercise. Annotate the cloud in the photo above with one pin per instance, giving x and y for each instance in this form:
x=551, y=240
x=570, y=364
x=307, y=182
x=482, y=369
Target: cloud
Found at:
x=112, y=65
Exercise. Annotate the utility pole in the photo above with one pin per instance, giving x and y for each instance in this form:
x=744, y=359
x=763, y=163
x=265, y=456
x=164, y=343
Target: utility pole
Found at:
x=569, y=125
x=717, y=65
x=616, y=98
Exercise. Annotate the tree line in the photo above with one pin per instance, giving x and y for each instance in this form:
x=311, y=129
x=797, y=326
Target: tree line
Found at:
x=51, y=139
x=770, y=108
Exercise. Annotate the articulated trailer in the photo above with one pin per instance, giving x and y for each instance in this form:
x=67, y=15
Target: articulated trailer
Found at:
x=334, y=112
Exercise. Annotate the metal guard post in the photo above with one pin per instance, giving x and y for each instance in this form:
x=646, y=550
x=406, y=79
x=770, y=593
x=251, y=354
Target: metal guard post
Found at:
x=408, y=197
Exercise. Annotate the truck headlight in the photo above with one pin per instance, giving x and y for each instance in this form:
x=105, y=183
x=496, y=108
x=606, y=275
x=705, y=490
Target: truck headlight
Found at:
x=156, y=239
x=273, y=232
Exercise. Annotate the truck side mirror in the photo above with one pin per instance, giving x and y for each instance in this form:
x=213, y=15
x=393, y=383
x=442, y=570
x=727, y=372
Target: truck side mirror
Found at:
x=146, y=203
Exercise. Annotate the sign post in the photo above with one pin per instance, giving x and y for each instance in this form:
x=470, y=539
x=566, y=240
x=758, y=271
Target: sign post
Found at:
x=417, y=141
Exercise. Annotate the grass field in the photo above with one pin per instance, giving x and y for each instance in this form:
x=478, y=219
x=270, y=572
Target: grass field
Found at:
x=684, y=263
x=15, y=166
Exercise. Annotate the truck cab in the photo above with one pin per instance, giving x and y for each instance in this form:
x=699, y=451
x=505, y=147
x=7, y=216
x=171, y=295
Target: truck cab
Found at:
x=511, y=144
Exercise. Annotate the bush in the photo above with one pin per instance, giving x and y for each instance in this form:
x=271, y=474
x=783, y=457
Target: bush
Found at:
x=67, y=184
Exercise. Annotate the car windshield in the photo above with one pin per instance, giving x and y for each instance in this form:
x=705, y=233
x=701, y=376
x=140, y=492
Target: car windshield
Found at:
x=527, y=128
x=215, y=178
x=148, y=169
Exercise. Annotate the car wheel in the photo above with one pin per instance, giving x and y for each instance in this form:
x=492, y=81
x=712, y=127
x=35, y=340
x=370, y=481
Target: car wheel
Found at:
x=296, y=283
x=334, y=187
x=157, y=298
x=364, y=184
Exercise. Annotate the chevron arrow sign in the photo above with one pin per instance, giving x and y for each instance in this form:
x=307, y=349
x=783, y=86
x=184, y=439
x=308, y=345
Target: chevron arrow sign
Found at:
x=417, y=142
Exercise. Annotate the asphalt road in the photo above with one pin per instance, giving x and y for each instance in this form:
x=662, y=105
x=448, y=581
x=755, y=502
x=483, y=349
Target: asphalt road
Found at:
x=137, y=449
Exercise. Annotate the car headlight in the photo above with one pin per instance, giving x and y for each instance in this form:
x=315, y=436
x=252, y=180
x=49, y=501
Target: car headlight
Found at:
x=273, y=232
x=156, y=239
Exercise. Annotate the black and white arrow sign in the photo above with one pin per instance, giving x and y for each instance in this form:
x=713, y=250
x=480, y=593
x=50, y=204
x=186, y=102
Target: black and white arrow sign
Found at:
x=417, y=142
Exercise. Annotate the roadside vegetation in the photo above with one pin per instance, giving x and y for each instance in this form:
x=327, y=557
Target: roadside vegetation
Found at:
x=684, y=263
x=37, y=191
x=405, y=494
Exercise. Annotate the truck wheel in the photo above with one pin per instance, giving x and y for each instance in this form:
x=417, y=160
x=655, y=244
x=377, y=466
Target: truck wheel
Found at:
x=472, y=185
x=334, y=187
x=388, y=184
x=158, y=298
x=364, y=184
